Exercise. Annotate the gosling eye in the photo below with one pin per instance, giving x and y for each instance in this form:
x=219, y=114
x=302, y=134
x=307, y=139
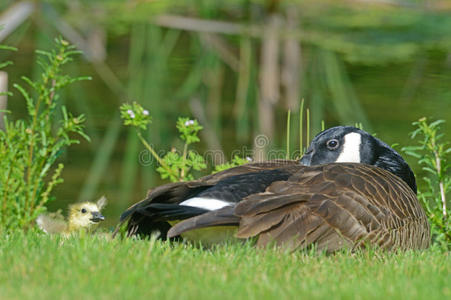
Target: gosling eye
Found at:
x=332, y=144
x=83, y=211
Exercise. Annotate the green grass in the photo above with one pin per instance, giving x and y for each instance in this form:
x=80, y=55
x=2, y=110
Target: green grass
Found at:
x=40, y=267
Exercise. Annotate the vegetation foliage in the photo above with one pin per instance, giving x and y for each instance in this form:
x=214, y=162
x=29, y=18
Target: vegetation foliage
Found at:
x=433, y=154
x=174, y=165
x=29, y=147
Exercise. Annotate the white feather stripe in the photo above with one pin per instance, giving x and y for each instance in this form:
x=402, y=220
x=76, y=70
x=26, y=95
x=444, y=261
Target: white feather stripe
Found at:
x=206, y=203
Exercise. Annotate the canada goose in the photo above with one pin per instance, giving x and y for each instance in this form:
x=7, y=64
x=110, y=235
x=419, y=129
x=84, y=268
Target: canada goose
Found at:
x=84, y=215
x=348, y=190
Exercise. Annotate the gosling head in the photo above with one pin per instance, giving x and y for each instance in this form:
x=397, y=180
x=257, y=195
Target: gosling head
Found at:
x=86, y=214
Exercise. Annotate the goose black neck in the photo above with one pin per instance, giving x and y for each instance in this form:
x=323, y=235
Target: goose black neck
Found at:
x=391, y=161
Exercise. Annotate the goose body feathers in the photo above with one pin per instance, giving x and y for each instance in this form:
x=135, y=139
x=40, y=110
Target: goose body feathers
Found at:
x=350, y=189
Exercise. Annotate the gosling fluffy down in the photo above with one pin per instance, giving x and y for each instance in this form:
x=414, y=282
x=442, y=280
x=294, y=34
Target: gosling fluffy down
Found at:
x=82, y=216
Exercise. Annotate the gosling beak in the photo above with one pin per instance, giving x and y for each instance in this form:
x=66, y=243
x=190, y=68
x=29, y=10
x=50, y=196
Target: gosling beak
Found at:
x=97, y=217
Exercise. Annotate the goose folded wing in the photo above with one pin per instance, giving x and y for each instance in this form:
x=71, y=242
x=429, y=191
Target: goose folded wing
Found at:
x=221, y=217
x=311, y=207
x=227, y=216
x=291, y=220
x=329, y=211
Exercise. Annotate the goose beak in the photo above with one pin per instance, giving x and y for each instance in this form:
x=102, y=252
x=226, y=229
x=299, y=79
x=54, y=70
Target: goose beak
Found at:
x=97, y=217
x=306, y=159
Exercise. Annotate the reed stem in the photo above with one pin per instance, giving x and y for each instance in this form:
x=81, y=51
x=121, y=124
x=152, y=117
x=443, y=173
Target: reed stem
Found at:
x=287, y=156
x=301, y=112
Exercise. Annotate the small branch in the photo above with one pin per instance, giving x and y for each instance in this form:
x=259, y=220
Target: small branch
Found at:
x=31, y=149
x=5, y=192
x=200, y=25
x=442, y=194
x=14, y=16
x=301, y=132
x=30, y=204
x=155, y=155
x=287, y=155
x=441, y=185
x=438, y=167
x=185, y=153
x=4, y=97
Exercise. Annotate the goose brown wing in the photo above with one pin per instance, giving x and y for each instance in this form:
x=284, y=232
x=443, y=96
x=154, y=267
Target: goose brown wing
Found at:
x=333, y=206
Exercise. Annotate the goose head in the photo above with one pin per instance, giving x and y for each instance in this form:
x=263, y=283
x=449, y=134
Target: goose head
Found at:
x=346, y=144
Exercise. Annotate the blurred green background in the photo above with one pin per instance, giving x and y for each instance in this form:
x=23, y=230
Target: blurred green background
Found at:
x=237, y=66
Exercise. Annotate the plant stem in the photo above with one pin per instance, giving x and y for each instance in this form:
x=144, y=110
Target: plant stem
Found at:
x=54, y=70
x=438, y=167
x=301, y=112
x=308, y=128
x=441, y=185
x=51, y=96
x=31, y=149
x=5, y=195
x=182, y=171
x=155, y=155
x=288, y=135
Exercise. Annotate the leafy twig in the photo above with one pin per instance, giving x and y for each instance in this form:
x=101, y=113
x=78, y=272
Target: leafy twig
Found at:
x=174, y=166
x=432, y=153
x=29, y=147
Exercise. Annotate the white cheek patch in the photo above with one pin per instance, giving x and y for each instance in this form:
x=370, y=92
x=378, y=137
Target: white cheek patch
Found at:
x=351, y=148
x=205, y=203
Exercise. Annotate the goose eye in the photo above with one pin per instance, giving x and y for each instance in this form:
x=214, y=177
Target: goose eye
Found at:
x=332, y=144
x=83, y=211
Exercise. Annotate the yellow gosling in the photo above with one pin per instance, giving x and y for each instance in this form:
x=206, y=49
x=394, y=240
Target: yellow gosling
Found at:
x=82, y=216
